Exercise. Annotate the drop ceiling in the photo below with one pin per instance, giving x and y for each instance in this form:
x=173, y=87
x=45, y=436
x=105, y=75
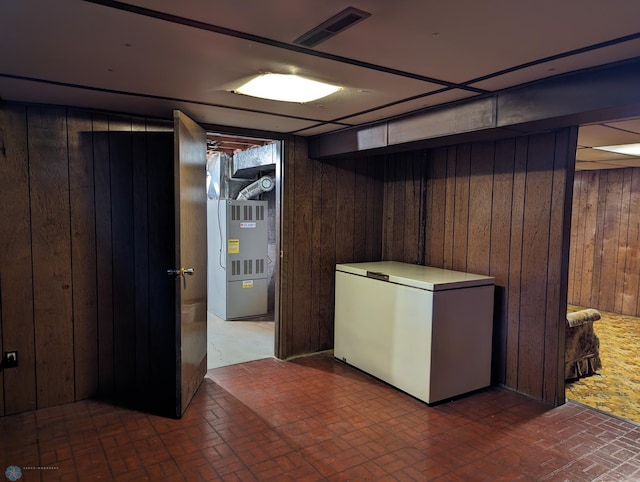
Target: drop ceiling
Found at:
x=606, y=134
x=148, y=57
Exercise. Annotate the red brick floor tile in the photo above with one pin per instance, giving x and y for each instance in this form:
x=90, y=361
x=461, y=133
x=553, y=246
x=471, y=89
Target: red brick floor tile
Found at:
x=61, y=471
x=317, y=419
x=163, y=470
x=391, y=462
x=450, y=477
x=306, y=432
x=58, y=453
x=132, y=476
x=626, y=471
x=365, y=471
x=202, y=473
x=368, y=447
x=569, y=474
x=294, y=465
x=426, y=469
x=151, y=450
x=227, y=465
x=252, y=452
x=332, y=456
x=196, y=459
x=114, y=439
x=242, y=475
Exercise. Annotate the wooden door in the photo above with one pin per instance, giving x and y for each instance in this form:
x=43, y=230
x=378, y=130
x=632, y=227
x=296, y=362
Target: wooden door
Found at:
x=190, y=270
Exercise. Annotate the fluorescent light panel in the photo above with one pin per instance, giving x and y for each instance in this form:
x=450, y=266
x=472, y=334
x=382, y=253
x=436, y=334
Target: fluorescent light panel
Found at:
x=287, y=88
x=628, y=149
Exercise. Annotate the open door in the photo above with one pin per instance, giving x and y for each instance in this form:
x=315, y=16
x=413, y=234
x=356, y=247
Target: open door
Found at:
x=190, y=270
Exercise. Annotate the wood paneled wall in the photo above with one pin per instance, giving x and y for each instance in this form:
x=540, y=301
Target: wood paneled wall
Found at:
x=86, y=222
x=85, y=200
x=495, y=208
x=604, y=268
x=500, y=209
x=332, y=213
x=404, y=207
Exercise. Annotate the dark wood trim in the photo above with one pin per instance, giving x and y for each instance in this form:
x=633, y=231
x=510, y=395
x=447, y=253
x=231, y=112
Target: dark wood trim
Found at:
x=558, y=271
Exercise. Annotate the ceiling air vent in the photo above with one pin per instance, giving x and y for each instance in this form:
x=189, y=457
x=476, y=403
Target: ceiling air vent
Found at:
x=343, y=20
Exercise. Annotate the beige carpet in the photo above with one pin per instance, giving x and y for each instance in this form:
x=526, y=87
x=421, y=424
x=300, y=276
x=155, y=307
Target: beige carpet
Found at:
x=615, y=389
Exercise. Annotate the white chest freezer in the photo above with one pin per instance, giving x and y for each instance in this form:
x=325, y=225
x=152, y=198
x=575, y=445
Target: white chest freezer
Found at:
x=426, y=331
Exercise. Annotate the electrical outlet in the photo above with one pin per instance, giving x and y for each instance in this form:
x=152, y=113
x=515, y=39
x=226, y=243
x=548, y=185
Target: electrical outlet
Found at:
x=10, y=359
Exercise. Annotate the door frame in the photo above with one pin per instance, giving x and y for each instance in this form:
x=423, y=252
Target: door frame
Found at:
x=278, y=188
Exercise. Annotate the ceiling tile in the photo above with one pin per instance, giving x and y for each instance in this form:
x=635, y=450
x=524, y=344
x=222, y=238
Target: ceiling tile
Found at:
x=606, y=55
x=588, y=154
x=601, y=135
x=413, y=105
x=163, y=109
x=129, y=59
x=631, y=125
x=379, y=61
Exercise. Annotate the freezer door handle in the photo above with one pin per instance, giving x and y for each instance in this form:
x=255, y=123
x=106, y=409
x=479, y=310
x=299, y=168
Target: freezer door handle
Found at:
x=377, y=275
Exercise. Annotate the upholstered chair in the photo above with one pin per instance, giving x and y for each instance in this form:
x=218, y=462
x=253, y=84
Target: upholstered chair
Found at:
x=582, y=345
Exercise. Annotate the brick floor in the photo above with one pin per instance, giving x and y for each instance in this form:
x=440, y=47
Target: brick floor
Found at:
x=316, y=419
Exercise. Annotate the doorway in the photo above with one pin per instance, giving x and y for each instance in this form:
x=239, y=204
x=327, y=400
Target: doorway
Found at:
x=243, y=225
x=604, y=265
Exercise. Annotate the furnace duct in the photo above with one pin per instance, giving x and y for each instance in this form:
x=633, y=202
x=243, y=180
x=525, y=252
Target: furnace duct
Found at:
x=264, y=184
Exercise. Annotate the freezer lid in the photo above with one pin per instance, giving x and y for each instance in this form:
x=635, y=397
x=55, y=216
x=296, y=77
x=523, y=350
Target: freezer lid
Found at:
x=417, y=276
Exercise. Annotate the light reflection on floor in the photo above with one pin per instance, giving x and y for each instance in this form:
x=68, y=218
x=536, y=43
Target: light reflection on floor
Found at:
x=232, y=342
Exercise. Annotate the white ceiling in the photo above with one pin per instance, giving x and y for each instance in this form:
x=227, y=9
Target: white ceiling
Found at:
x=178, y=55
x=607, y=134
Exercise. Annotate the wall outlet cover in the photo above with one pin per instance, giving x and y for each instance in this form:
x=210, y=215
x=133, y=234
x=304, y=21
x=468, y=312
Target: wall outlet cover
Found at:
x=10, y=359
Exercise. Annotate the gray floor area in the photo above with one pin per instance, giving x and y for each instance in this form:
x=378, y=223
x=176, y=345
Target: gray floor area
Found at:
x=232, y=342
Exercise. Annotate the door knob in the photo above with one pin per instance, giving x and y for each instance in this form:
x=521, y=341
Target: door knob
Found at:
x=180, y=272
